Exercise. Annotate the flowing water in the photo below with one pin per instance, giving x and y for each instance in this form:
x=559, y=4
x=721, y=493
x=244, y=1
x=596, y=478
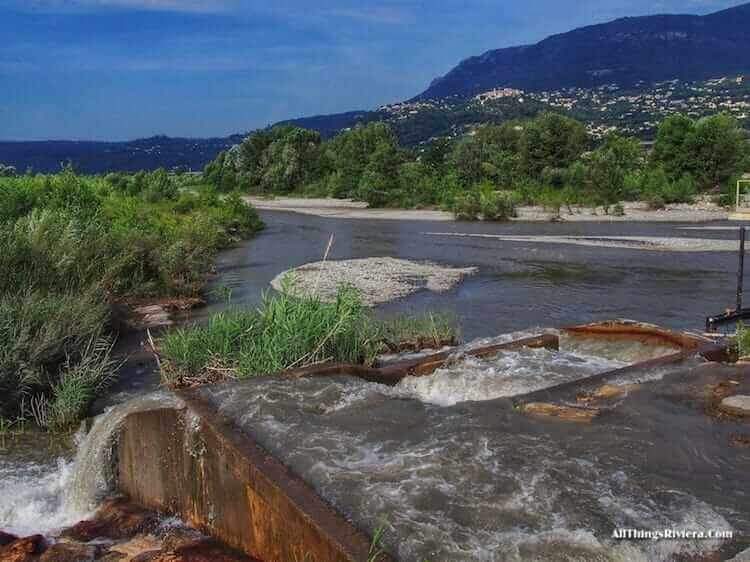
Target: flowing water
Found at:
x=46, y=489
x=452, y=471
x=520, y=283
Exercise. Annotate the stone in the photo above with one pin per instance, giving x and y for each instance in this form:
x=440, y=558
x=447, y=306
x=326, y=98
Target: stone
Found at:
x=70, y=552
x=737, y=405
x=116, y=519
x=203, y=550
x=740, y=441
x=7, y=538
x=137, y=546
x=569, y=413
x=608, y=391
x=743, y=556
x=23, y=550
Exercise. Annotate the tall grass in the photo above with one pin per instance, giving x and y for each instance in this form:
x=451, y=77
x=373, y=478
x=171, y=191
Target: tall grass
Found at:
x=46, y=341
x=743, y=340
x=70, y=246
x=287, y=332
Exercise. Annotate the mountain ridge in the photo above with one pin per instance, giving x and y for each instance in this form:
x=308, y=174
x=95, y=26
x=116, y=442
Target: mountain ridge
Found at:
x=624, y=51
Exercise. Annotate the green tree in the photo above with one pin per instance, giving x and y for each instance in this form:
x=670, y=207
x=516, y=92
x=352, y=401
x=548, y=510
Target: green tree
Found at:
x=671, y=152
x=551, y=141
x=716, y=149
x=381, y=175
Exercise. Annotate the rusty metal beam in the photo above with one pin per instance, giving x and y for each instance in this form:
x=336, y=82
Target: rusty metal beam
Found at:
x=392, y=374
x=647, y=334
x=710, y=351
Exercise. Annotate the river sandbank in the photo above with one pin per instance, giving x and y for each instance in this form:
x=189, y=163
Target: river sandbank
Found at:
x=379, y=280
x=634, y=211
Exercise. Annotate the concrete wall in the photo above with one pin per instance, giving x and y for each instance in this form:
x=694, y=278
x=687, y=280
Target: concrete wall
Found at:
x=193, y=464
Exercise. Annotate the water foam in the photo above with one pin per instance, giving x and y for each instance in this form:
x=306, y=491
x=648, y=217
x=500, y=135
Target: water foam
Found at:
x=478, y=481
x=47, y=497
x=507, y=374
x=31, y=497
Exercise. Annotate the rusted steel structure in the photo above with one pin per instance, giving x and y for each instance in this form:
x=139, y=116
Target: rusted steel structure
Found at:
x=197, y=464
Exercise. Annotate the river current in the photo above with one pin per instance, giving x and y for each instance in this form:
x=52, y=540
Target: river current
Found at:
x=549, y=491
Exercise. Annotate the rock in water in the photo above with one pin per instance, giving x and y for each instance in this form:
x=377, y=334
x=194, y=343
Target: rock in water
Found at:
x=23, y=550
x=738, y=405
x=70, y=552
x=116, y=519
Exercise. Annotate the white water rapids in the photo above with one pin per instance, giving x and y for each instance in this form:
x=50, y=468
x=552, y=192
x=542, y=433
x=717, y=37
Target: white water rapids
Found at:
x=45, y=497
x=444, y=463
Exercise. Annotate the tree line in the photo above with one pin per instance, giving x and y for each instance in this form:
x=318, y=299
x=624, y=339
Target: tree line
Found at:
x=550, y=160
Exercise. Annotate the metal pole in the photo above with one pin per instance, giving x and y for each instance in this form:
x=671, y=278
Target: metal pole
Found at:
x=741, y=268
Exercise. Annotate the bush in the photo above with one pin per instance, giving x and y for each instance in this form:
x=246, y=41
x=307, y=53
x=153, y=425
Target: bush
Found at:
x=658, y=191
x=159, y=186
x=497, y=206
x=680, y=191
x=655, y=202
x=552, y=201
x=69, y=247
x=467, y=206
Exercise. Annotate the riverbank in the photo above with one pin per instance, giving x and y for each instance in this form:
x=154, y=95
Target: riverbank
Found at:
x=79, y=257
x=350, y=209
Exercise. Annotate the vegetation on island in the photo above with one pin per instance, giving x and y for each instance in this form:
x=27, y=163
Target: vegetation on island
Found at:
x=70, y=248
x=288, y=332
x=550, y=160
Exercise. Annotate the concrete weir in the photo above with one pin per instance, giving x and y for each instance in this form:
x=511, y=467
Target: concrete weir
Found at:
x=195, y=462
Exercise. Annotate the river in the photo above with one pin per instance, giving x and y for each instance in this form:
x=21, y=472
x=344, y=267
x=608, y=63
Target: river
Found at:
x=519, y=284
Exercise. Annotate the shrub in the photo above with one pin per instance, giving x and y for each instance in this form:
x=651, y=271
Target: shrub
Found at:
x=680, y=191
x=497, y=206
x=655, y=202
x=467, y=206
x=552, y=201
x=658, y=191
x=159, y=186
x=69, y=246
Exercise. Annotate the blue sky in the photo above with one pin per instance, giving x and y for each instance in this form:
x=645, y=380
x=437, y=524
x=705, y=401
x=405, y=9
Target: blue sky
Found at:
x=123, y=69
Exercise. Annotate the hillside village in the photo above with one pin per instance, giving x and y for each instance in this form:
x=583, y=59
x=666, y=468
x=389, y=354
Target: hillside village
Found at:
x=635, y=111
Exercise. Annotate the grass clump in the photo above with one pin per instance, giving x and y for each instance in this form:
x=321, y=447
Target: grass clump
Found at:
x=743, y=340
x=412, y=333
x=287, y=332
